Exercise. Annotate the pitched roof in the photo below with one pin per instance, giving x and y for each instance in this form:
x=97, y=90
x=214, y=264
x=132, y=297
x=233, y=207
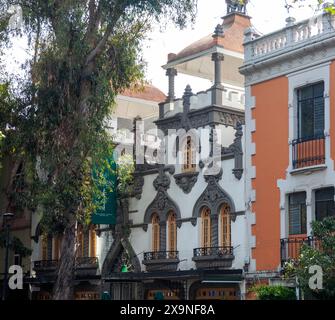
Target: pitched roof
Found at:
x=233, y=25
x=149, y=93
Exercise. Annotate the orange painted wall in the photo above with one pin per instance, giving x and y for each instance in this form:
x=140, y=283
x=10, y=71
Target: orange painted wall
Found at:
x=271, y=160
x=332, y=110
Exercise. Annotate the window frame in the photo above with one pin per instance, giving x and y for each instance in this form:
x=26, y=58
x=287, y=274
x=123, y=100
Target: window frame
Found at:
x=155, y=233
x=225, y=228
x=172, y=231
x=328, y=201
x=302, y=213
x=299, y=112
x=206, y=228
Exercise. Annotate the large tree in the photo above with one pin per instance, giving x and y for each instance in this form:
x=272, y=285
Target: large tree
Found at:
x=83, y=53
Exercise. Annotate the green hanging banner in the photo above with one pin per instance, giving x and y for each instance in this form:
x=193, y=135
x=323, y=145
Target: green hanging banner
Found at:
x=106, y=213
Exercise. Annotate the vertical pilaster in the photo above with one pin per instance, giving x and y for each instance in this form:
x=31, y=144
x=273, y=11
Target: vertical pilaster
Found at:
x=217, y=88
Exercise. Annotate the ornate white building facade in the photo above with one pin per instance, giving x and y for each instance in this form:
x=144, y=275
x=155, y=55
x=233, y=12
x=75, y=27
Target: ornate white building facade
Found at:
x=182, y=234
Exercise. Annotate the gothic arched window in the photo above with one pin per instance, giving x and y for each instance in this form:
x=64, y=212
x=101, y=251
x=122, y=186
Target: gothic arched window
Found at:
x=93, y=242
x=225, y=226
x=172, y=231
x=155, y=232
x=206, y=234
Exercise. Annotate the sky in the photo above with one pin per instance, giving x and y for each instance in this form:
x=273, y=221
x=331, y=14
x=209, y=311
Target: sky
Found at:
x=267, y=16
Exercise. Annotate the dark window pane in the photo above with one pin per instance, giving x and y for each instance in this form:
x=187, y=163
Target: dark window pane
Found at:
x=324, y=203
x=311, y=111
x=306, y=93
x=297, y=213
x=318, y=89
x=306, y=119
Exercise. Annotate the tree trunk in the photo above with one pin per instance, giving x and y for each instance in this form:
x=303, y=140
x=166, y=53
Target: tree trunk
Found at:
x=64, y=285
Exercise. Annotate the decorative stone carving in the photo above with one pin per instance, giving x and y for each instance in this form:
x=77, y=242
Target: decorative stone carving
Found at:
x=213, y=197
x=230, y=119
x=237, y=150
x=190, y=118
x=162, y=181
x=162, y=204
x=186, y=180
x=136, y=188
x=119, y=246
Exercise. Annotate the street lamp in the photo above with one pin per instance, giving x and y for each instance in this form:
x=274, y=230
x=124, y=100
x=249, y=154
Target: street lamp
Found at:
x=6, y=218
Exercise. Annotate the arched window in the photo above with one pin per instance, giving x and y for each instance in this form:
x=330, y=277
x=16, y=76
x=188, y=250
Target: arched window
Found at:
x=172, y=232
x=46, y=244
x=57, y=246
x=86, y=241
x=206, y=234
x=225, y=226
x=189, y=156
x=93, y=242
x=155, y=233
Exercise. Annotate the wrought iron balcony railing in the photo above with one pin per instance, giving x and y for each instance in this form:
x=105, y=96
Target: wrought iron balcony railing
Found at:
x=45, y=264
x=290, y=247
x=160, y=255
x=86, y=261
x=308, y=152
x=53, y=264
x=213, y=251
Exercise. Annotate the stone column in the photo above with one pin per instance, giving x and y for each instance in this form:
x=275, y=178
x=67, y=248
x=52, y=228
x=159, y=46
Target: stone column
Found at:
x=162, y=238
x=217, y=88
x=215, y=230
x=171, y=73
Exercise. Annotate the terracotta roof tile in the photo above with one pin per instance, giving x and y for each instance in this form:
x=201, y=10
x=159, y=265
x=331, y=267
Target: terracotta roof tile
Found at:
x=149, y=93
x=233, y=27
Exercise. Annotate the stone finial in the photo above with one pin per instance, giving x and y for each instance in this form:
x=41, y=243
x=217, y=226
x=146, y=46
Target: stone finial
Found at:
x=218, y=32
x=249, y=34
x=290, y=21
x=188, y=91
x=187, y=98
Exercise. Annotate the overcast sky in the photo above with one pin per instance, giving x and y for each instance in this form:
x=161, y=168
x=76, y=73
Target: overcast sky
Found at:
x=267, y=16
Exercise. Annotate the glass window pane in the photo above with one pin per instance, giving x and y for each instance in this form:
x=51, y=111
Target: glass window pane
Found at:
x=306, y=93
x=311, y=111
x=297, y=213
x=318, y=89
x=306, y=119
x=324, y=203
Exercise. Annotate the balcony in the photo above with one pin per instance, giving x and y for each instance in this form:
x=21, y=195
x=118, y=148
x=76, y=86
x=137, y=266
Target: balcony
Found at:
x=161, y=260
x=293, y=36
x=308, y=152
x=45, y=266
x=213, y=257
x=290, y=247
x=86, y=266
x=83, y=266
